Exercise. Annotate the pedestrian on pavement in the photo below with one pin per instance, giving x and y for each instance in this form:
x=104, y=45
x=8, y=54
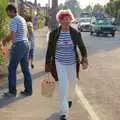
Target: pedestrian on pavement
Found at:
x=19, y=52
x=36, y=22
x=31, y=39
x=62, y=58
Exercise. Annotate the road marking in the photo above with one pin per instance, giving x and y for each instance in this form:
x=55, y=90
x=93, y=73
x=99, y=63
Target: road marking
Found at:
x=86, y=104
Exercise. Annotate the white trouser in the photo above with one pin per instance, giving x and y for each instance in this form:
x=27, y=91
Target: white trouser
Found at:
x=65, y=74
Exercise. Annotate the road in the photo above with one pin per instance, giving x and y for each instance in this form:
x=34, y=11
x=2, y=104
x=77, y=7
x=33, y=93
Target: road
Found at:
x=100, y=84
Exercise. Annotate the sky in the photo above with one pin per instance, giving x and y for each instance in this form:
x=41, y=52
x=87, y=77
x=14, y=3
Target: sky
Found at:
x=83, y=3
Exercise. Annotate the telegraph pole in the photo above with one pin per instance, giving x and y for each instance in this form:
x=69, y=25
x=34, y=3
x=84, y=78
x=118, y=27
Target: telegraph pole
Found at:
x=48, y=3
x=35, y=4
x=52, y=22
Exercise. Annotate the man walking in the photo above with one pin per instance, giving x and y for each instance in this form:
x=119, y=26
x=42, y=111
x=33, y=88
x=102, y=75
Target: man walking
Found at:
x=19, y=52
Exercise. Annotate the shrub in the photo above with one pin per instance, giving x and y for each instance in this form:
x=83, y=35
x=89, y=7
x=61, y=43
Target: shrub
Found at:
x=4, y=56
x=4, y=21
x=41, y=22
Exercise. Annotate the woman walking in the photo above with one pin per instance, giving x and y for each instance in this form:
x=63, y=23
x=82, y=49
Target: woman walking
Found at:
x=62, y=58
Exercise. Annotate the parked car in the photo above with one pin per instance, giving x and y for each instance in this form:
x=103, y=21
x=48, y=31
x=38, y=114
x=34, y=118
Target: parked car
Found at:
x=84, y=24
x=76, y=21
x=102, y=26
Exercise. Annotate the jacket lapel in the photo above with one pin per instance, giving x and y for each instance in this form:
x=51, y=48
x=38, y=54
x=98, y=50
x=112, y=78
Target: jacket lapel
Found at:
x=73, y=35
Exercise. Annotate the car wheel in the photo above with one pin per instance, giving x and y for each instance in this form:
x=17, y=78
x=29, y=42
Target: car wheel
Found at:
x=113, y=34
x=106, y=35
x=91, y=33
x=78, y=28
x=97, y=34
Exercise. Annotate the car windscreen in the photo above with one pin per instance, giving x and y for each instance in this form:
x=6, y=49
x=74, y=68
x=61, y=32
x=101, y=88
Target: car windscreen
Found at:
x=103, y=22
x=85, y=20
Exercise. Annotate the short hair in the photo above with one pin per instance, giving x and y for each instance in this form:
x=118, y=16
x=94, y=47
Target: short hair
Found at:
x=30, y=25
x=63, y=13
x=11, y=8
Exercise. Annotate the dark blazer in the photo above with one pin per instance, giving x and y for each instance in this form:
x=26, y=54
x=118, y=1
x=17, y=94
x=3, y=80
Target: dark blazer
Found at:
x=50, y=54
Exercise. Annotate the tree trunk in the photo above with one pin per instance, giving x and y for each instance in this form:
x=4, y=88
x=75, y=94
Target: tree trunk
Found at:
x=52, y=23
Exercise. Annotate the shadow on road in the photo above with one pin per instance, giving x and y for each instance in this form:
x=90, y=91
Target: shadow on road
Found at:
x=54, y=116
x=19, y=81
x=4, y=101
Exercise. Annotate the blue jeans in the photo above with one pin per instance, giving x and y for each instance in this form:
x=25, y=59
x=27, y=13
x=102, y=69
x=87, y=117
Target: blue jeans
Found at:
x=31, y=54
x=19, y=54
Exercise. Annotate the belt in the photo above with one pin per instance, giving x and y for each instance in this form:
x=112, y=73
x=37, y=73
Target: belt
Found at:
x=20, y=41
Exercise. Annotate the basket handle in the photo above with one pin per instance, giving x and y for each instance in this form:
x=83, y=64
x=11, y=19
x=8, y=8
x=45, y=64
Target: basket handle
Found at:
x=49, y=78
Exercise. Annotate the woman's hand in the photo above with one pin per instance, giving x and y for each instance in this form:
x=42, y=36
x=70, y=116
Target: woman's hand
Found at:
x=32, y=65
x=47, y=67
x=84, y=63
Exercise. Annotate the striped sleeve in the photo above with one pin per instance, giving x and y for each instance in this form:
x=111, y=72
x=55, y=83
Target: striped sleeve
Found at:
x=13, y=26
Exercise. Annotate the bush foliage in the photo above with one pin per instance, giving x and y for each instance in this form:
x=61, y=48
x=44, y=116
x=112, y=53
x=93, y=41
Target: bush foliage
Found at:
x=4, y=21
x=41, y=21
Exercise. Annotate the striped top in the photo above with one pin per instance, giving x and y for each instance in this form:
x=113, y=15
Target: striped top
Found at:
x=19, y=26
x=65, y=49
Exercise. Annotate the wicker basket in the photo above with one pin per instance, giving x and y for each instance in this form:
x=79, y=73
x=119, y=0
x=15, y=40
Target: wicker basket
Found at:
x=47, y=88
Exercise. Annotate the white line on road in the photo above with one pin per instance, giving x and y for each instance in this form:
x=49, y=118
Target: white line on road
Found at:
x=86, y=104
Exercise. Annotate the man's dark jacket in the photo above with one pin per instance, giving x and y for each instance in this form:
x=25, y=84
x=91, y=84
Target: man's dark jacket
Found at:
x=50, y=54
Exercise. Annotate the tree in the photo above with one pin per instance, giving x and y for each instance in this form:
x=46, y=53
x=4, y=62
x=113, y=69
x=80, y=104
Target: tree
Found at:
x=88, y=8
x=98, y=8
x=112, y=9
x=73, y=5
x=61, y=6
x=3, y=3
x=52, y=22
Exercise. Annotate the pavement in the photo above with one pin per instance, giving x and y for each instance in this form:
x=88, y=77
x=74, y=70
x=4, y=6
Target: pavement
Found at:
x=38, y=107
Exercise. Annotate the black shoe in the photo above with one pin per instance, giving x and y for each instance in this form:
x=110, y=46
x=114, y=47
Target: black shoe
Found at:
x=9, y=94
x=32, y=66
x=63, y=117
x=69, y=104
x=26, y=93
